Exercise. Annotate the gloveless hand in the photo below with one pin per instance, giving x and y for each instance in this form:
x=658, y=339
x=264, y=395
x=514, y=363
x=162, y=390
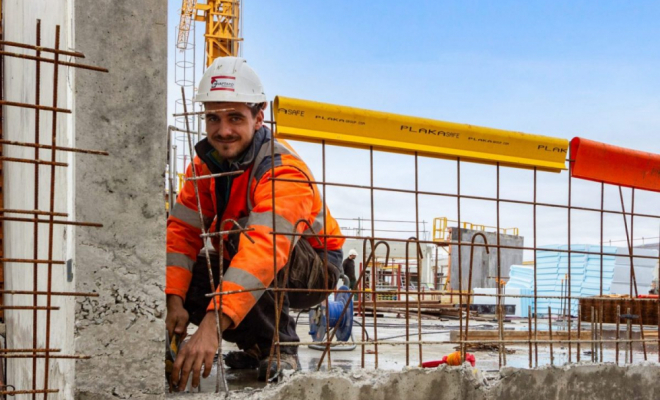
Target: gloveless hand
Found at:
x=176, y=320
x=197, y=352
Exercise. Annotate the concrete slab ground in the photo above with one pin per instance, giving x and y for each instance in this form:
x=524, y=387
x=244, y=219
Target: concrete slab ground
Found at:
x=392, y=358
x=585, y=382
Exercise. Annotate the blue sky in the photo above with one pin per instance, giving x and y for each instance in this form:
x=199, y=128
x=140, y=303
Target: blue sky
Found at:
x=560, y=68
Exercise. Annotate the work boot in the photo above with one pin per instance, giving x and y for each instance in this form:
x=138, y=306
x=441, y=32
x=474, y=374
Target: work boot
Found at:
x=287, y=362
x=245, y=359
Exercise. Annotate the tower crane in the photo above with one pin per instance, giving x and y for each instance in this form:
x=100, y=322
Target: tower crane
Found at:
x=187, y=11
x=222, y=22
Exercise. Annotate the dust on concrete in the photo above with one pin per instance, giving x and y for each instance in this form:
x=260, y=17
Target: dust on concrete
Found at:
x=411, y=384
x=584, y=381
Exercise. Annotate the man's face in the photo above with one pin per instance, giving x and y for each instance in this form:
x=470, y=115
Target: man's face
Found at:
x=230, y=127
x=352, y=256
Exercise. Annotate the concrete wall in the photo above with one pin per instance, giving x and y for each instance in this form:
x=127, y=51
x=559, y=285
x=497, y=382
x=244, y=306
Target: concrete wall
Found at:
x=484, y=264
x=20, y=18
x=123, y=112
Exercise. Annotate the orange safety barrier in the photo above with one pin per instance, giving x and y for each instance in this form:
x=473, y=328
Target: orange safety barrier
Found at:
x=602, y=162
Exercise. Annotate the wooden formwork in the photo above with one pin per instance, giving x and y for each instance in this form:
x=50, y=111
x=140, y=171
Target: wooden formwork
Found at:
x=647, y=310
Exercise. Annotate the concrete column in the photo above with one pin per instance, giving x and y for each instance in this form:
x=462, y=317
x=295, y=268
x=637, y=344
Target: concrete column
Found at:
x=123, y=112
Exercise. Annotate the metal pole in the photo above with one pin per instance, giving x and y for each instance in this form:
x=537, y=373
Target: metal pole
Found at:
x=175, y=175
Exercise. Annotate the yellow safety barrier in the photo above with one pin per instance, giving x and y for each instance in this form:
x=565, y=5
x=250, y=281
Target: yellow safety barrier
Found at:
x=441, y=228
x=312, y=121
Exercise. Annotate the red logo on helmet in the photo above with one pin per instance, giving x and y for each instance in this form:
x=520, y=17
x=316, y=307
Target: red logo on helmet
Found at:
x=223, y=82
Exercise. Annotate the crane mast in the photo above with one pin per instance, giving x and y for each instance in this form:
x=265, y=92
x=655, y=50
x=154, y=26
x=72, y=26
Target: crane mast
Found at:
x=187, y=11
x=221, y=18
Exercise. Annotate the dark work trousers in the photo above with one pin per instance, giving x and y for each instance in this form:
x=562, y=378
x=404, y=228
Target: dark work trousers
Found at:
x=306, y=269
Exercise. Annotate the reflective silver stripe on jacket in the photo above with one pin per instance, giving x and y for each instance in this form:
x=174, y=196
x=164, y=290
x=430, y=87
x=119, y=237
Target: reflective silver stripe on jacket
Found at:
x=317, y=225
x=179, y=260
x=246, y=280
x=282, y=225
x=189, y=216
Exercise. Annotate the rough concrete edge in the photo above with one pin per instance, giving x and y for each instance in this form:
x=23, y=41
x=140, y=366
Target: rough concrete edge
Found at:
x=370, y=384
x=575, y=381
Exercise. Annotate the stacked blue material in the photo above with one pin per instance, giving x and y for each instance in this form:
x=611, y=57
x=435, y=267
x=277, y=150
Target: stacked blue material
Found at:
x=522, y=277
x=585, y=275
x=549, y=273
x=552, y=268
x=591, y=285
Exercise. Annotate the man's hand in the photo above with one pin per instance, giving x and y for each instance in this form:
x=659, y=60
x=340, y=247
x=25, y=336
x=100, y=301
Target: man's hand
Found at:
x=176, y=320
x=199, y=351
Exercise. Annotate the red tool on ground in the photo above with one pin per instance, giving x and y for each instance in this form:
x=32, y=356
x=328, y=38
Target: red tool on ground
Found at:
x=454, y=359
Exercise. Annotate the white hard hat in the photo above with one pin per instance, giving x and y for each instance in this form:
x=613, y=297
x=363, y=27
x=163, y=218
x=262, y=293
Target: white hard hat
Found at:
x=230, y=79
x=352, y=252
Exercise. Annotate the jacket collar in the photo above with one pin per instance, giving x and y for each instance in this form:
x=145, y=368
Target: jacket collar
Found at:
x=217, y=164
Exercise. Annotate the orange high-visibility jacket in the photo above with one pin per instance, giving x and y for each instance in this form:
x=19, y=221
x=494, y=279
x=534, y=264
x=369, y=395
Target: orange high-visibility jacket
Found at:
x=229, y=198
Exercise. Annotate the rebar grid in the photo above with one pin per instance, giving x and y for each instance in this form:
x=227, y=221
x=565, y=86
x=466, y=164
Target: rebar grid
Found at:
x=573, y=340
x=36, y=353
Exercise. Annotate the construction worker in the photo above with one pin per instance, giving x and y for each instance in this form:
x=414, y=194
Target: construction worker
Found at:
x=348, y=267
x=237, y=140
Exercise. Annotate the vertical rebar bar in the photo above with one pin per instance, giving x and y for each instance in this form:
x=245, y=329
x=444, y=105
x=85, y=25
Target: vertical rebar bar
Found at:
x=374, y=285
x=618, y=320
x=35, y=268
x=51, y=219
x=325, y=253
x=629, y=335
x=276, y=335
x=552, y=354
x=561, y=300
x=593, y=336
x=641, y=330
x=173, y=177
x=469, y=289
x=599, y=349
x=600, y=331
x=536, y=327
x=568, y=302
x=419, y=262
x=220, y=377
x=407, y=309
x=529, y=333
x=460, y=264
x=363, y=298
x=579, y=333
x=602, y=213
x=501, y=330
x=502, y=348
x=632, y=240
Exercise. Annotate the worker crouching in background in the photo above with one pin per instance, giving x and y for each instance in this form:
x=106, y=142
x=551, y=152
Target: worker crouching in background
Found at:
x=237, y=140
